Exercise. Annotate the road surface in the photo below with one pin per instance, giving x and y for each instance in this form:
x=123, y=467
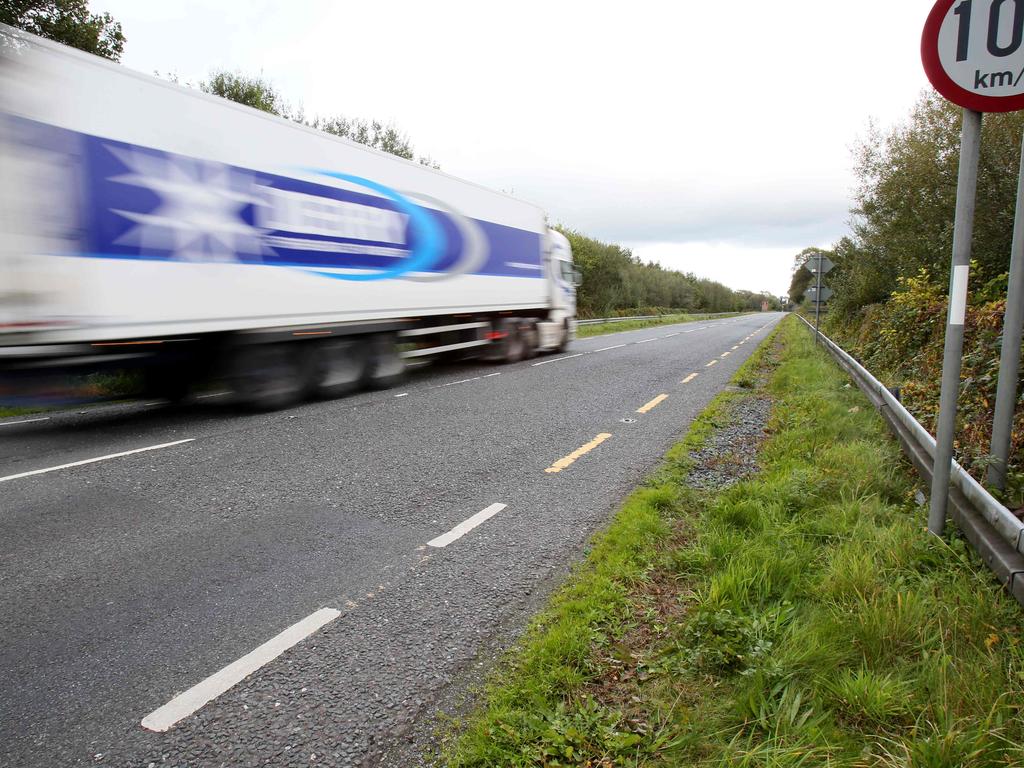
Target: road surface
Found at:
x=401, y=535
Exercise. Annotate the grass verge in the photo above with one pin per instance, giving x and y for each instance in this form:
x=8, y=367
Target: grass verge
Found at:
x=600, y=329
x=800, y=617
x=8, y=412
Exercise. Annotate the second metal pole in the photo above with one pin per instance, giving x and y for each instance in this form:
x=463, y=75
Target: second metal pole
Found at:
x=817, y=303
x=963, y=227
x=1009, y=361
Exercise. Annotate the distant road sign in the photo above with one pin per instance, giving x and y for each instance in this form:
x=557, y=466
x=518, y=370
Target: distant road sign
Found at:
x=824, y=295
x=973, y=53
x=824, y=261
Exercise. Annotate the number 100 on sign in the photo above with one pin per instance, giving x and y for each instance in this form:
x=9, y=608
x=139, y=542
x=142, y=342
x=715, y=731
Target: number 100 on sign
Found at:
x=973, y=53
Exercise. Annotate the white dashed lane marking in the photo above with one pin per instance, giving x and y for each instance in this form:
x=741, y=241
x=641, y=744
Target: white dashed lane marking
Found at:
x=466, y=526
x=184, y=704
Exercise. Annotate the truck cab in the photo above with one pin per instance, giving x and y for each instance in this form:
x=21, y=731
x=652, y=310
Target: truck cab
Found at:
x=564, y=279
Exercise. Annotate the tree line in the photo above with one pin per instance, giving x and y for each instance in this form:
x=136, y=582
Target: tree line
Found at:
x=260, y=93
x=615, y=282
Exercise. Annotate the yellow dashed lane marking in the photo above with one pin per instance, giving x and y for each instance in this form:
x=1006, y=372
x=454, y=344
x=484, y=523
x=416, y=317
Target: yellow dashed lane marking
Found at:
x=689, y=378
x=651, y=405
x=711, y=363
x=562, y=463
x=726, y=354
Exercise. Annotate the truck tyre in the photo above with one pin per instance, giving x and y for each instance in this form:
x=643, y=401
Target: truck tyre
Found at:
x=385, y=367
x=531, y=339
x=166, y=383
x=515, y=345
x=564, y=343
x=340, y=367
x=265, y=377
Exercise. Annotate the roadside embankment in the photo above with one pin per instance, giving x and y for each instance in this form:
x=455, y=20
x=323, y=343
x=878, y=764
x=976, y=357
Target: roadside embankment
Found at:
x=901, y=342
x=768, y=597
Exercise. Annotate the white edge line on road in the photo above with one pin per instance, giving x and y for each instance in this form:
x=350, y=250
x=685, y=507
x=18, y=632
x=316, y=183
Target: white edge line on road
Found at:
x=557, y=359
x=461, y=381
x=646, y=340
x=491, y=374
x=605, y=349
x=184, y=704
x=23, y=421
x=403, y=394
x=93, y=461
x=670, y=335
x=212, y=394
x=466, y=526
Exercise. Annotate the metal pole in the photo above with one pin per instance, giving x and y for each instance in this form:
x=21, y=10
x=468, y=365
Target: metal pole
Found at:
x=817, y=303
x=963, y=226
x=1009, y=361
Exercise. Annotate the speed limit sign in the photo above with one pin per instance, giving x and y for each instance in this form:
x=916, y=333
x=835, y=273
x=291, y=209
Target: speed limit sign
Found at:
x=973, y=52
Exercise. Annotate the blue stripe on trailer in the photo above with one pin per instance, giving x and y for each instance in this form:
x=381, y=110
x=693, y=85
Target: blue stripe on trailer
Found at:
x=139, y=203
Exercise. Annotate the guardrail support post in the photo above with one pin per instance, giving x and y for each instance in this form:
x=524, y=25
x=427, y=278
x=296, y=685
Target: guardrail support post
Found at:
x=963, y=227
x=1009, y=361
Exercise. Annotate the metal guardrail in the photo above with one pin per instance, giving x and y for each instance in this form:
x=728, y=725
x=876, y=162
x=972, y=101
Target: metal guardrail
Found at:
x=596, y=320
x=996, y=533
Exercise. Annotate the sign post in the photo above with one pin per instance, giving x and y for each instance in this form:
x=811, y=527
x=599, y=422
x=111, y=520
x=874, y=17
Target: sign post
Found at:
x=821, y=266
x=817, y=301
x=952, y=356
x=1009, y=360
x=973, y=53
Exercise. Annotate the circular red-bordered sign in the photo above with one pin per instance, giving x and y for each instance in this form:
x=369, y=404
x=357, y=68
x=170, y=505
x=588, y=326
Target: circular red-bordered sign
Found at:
x=973, y=53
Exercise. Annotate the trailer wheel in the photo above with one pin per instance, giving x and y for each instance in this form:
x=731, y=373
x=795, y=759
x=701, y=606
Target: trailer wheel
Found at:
x=385, y=366
x=515, y=344
x=340, y=366
x=266, y=377
x=165, y=383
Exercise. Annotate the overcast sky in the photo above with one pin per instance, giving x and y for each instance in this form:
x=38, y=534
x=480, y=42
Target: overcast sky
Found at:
x=713, y=136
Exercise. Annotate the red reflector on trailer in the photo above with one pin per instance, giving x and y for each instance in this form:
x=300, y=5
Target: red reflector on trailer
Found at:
x=495, y=335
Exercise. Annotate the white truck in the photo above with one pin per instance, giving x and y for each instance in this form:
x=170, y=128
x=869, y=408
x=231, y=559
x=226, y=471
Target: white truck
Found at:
x=153, y=227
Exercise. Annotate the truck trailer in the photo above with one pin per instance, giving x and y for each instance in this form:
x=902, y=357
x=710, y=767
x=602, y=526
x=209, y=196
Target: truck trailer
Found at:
x=150, y=227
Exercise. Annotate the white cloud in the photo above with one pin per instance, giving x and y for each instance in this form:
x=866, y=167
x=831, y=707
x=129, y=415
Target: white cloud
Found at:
x=671, y=126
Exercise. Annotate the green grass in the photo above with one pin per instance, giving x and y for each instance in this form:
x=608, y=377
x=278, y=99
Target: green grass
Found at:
x=7, y=412
x=100, y=387
x=600, y=329
x=801, y=617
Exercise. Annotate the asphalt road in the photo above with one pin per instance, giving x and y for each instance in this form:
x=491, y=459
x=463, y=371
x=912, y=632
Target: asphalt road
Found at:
x=128, y=580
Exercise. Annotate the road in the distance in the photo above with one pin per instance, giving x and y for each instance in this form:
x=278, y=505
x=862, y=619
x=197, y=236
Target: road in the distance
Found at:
x=128, y=580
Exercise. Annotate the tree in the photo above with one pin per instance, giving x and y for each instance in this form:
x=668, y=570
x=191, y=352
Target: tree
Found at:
x=255, y=92
x=68, y=22
x=802, y=276
x=260, y=93
x=616, y=281
x=906, y=197
x=905, y=200
x=386, y=138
